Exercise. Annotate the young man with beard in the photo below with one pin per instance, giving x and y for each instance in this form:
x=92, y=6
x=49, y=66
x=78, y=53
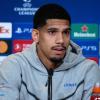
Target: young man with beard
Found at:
x=53, y=68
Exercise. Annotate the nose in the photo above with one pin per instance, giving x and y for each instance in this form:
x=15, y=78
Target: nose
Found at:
x=60, y=38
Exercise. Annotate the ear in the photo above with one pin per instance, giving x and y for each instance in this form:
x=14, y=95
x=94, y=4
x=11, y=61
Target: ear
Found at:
x=35, y=35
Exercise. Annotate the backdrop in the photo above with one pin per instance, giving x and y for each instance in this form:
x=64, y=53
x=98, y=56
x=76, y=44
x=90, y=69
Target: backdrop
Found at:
x=16, y=24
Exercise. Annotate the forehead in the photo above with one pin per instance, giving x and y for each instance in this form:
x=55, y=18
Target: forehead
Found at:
x=57, y=23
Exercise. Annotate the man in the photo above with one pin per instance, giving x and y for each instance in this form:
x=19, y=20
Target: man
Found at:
x=53, y=68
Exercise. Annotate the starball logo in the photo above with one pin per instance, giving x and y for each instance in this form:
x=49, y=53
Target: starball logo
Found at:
x=27, y=0
x=84, y=31
x=26, y=8
x=27, y=3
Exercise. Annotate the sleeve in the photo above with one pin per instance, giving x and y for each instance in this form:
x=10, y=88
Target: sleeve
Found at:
x=91, y=78
x=9, y=79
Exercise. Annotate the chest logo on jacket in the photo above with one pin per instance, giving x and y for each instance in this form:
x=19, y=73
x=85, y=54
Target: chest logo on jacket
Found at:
x=70, y=85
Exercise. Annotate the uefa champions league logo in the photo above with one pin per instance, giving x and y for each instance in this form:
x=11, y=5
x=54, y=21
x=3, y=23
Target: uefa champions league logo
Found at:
x=25, y=8
x=27, y=3
x=27, y=0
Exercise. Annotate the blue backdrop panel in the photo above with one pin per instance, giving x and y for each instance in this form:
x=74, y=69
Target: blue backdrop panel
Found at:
x=20, y=14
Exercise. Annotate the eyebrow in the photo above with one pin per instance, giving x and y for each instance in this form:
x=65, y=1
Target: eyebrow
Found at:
x=57, y=29
x=68, y=29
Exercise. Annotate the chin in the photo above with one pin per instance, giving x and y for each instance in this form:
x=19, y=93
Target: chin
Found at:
x=57, y=59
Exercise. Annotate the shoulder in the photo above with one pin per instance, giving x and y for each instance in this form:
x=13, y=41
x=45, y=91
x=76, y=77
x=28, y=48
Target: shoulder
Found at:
x=92, y=69
x=11, y=62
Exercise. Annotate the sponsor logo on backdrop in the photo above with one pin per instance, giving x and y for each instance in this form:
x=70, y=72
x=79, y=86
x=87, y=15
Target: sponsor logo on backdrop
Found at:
x=84, y=31
x=22, y=30
x=89, y=48
x=20, y=45
x=5, y=47
x=25, y=8
x=5, y=30
x=2, y=58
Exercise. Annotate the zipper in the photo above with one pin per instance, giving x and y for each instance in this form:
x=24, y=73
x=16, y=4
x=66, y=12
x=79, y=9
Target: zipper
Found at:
x=50, y=74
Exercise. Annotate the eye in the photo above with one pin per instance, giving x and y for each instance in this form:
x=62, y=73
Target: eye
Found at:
x=52, y=32
x=67, y=32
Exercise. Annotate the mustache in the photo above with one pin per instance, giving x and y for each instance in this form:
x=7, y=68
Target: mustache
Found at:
x=59, y=47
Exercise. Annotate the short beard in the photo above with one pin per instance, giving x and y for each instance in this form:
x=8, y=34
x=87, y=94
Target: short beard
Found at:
x=57, y=60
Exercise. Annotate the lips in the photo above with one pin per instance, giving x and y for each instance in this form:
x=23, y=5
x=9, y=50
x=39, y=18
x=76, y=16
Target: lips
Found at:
x=59, y=49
